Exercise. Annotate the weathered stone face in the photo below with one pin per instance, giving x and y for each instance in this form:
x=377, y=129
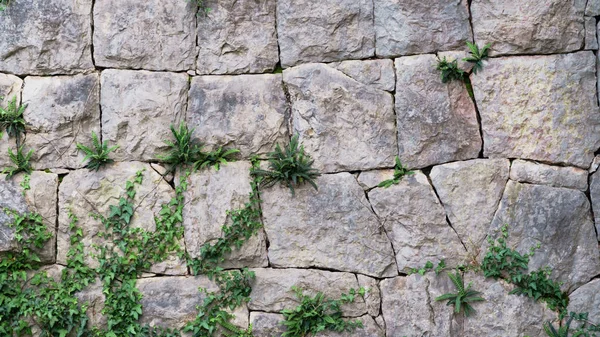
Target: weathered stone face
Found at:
x=247, y=112
x=437, y=122
x=84, y=192
x=409, y=308
x=470, y=192
x=137, y=109
x=153, y=35
x=61, y=112
x=416, y=223
x=40, y=198
x=373, y=295
x=527, y=27
x=237, y=37
x=376, y=73
x=559, y=219
x=93, y=296
x=542, y=174
x=333, y=228
x=540, y=108
x=586, y=299
x=172, y=301
x=592, y=8
x=209, y=196
x=370, y=179
x=591, y=40
x=46, y=37
x=501, y=314
x=595, y=197
x=327, y=106
x=271, y=289
x=418, y=27
x=310, y=31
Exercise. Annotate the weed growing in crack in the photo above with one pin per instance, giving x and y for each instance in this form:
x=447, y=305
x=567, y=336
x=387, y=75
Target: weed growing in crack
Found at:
x=98, y=155
x=290, y=166
x=477, y=55
x=20, y=160
x=319, y=313
x=11, y=118
x=399, y=173
x=450, y=70
x=427, y=267
x=463, y=298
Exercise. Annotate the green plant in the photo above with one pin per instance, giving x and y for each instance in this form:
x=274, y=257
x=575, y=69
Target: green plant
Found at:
x=215, y=158
x=25, y=183
x=97, y=156
x=450, y=70
x=202, y=8
x=477, y=55
x=20, y=160
x=501, y=261
x=318, y=313
x=399, y=172
x=11, y=117
x=184, y=150
x=584, y=329
x=290, y=166
x=463, y=298
x=427, y=267
x=4, y=4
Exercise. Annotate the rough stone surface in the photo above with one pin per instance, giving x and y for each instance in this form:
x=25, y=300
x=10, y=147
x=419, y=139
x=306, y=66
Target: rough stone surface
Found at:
x=529, y=27
x=247, y=112
x=416, y=223
x=337, y=30
x=373, y=295
x=540, y=107
x=470, y=192
x=268, y=324
x=409, y=308
x=501, y=314
x=271, y=289
x=84, y=192
x=559, y=219
x=376, y=73
x=370, y=179
x=591, y=40
x=172, y=301
x=137, y=109
x=209, y=196
x=592, y=8
x=437, y=122
x=542, y=174
x=327, y=106
x=586, y=299
x=93, y=296
x=595, y=197
x=153, y=35
x=40, y=198
x=237, y=37
x=46, y=37
x=418, y=27
x=61, y=112
x=332, y=228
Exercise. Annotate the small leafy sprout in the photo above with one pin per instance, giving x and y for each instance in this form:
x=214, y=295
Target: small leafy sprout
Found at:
x=318, y=313
x=399, y=172
x=477, y=55
x=463, y=298
x=11, y=118
x=215, y=158
x=428, y=266
x=184, y=150
x=290, y=166
x=450, y=70
x=97, y=156
x=4, y=4
x=20, y=160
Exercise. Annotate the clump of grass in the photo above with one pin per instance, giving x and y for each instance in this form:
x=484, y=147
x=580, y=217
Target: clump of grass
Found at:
x=477, y=55
x=11, y=118
x=20, y=160
x=98, y=155
x=290, y=166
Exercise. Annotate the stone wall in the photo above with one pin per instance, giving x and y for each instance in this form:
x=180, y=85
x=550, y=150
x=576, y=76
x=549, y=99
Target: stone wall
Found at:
x=357, y=81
